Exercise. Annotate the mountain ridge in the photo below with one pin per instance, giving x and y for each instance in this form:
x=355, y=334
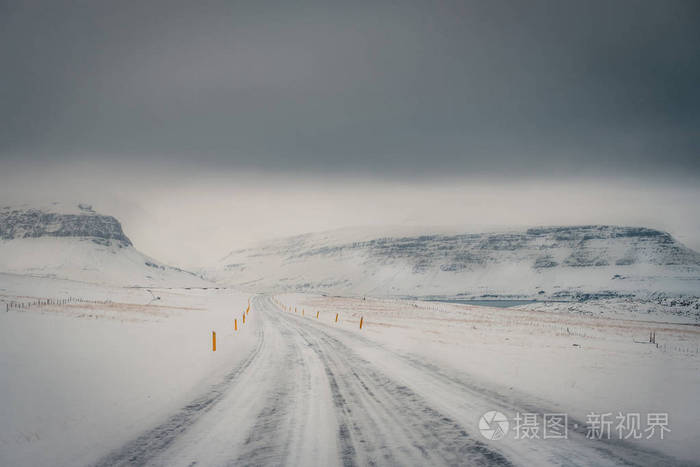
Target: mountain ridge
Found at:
x=608, y=258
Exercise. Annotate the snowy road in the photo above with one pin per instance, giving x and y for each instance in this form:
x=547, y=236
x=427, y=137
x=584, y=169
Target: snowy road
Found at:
x=311, y=393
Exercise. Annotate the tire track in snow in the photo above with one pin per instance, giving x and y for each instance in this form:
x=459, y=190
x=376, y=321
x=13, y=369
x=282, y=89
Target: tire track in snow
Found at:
x=272, y=389
x=312, y=394
x=457, y=391
x=617, y=452
x=381, y=422
x=150, y=444
x=269, y=440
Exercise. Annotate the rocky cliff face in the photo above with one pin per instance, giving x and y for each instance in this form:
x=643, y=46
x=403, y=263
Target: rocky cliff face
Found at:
x=34, y=223
x=549, y=261
x=76, y=243
x=585, y=246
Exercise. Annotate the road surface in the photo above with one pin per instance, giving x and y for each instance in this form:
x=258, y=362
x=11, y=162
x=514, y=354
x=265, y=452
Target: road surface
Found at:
x=313, y=393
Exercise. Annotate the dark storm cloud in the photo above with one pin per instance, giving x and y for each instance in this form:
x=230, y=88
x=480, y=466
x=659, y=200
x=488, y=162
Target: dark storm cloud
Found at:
x=382, y=87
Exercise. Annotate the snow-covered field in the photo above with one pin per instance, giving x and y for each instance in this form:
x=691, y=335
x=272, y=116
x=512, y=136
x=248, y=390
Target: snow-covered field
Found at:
x=127, y=376
x=576, y=363
x=82, y=378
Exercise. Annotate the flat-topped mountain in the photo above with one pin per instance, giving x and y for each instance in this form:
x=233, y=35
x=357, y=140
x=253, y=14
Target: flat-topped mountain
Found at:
x=544, y=262
x=75, y=242
x=35, y=223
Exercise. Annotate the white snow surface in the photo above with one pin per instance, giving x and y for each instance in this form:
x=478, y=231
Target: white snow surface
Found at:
x=127, y=376
x=79, y=379
x=81, y=259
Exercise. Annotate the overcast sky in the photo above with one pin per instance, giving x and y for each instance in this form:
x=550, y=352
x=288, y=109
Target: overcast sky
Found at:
x=335, y=104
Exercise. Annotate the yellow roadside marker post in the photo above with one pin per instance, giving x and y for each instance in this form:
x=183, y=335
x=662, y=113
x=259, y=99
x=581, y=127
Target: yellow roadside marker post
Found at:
x=213, y=341
x=302, y=312
x=336, y=317
x=361, y=319
x=235, y=324
x=317, y=314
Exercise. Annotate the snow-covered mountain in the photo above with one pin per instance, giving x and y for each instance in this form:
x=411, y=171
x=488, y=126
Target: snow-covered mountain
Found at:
x=75, y=242
x=544, y=262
